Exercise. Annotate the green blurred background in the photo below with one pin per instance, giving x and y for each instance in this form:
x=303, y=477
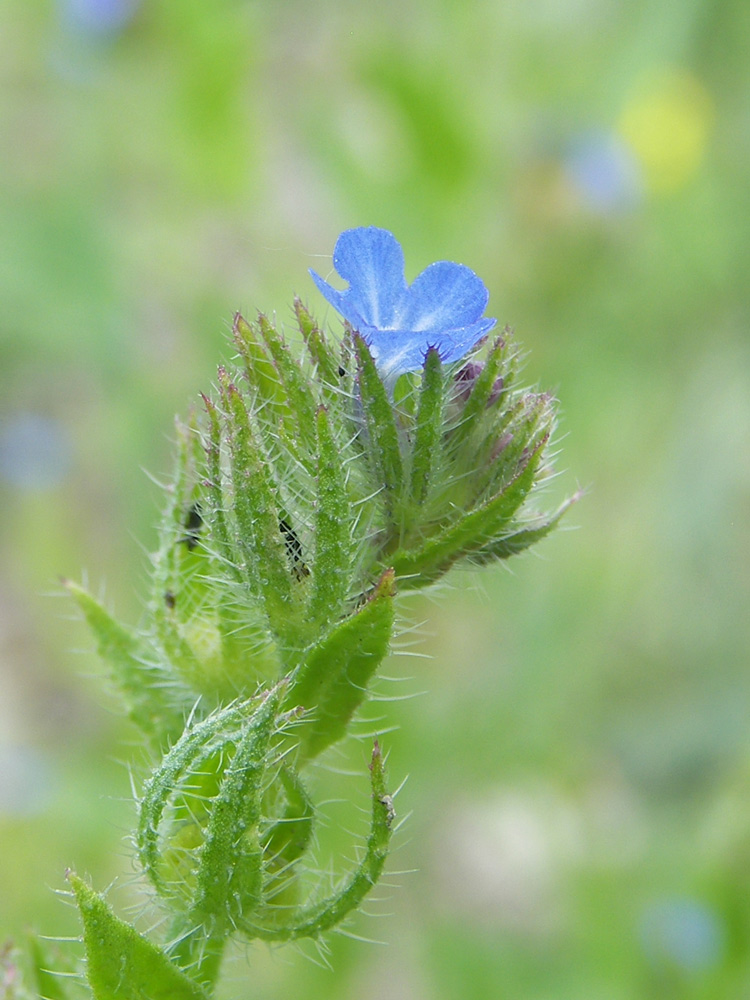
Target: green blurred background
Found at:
x=579, y=759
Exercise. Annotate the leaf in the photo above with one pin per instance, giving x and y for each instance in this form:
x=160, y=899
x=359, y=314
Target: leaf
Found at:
x=230, y=870
x=332, y=682
x=121, y=963
x=326, y=361
x=316, y=918
x=257, y=513
x=474, y=532
x=525, y=537
x=333, y=544
x=429, y=422
x=145, y=687
x=383, y=444
x=299, y=396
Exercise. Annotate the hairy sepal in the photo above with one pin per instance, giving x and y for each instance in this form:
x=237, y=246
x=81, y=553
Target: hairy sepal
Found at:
x=332, y=681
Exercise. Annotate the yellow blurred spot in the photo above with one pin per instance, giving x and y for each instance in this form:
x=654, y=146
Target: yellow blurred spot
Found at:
x=666, y=124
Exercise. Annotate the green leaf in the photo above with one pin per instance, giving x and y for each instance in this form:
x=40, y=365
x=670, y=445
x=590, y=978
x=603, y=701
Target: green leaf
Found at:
x=383, y=445
x=299, y=396
x=317, y=918
x=525, y=537
x=333, y=544
x=173, y=777
x=49, y=984
x=326, y=360
x=474, y=411
x=262, y=375
x=257, y=513
x=121, y=963
x=474, y=532
x=230, y=870
x=332, y=682
x=429, y=426
x=155, y=702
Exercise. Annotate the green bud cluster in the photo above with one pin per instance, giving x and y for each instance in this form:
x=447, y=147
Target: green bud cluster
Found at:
x=307, y=494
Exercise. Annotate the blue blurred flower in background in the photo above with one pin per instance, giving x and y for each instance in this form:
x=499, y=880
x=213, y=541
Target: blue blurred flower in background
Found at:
x=604, y=172
x=683, y=932
x=35, y=451
x=99, y=16
x=442, y=308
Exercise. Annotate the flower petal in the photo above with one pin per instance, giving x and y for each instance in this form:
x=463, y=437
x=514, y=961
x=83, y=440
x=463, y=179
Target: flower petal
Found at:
x=456, y=343
x=443, y=308
x=397, y=351
x=372, y=261
x=443, y=297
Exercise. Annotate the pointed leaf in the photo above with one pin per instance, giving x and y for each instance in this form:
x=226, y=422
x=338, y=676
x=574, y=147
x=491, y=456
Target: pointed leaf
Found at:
x=383, y=444
x=474, y=532
x=257, y=513
x=146, y=688
x=525, y=537
x=429, y=426
x=121, y=964
x=313, y=920
x=297, y=386
x=324, y=358
x=333, y=544
x=332, y=682
x=229, y=874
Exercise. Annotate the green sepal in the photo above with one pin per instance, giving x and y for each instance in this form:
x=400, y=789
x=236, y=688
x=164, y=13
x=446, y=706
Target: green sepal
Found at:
x=322, y=355
x=525, y=537
x=474, y=412
x=299, y=397
x=121, y=964
x=383, y=446
x=428, y=428
x=257, y=513
x=145, y=686
x=180, y=565
x=332, y=681
x=178, y=775
x=214, y=490
x=473, y=533
x=333, y=518
x=315, y=919
x=262, y=375
x=229, y=877
x=516, y=441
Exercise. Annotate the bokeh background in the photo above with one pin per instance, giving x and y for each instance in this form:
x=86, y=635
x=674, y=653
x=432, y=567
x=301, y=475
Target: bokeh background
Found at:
x=578, y=757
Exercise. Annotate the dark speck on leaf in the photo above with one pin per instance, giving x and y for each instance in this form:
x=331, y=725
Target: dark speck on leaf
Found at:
x=193, y=525
x=293, y=548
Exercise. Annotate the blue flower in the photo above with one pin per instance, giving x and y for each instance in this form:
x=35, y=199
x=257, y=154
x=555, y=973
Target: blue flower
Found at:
x=442, y=308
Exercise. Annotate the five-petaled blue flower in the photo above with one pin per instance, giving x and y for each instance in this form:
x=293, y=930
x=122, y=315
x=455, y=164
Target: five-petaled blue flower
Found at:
x=442, y=308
